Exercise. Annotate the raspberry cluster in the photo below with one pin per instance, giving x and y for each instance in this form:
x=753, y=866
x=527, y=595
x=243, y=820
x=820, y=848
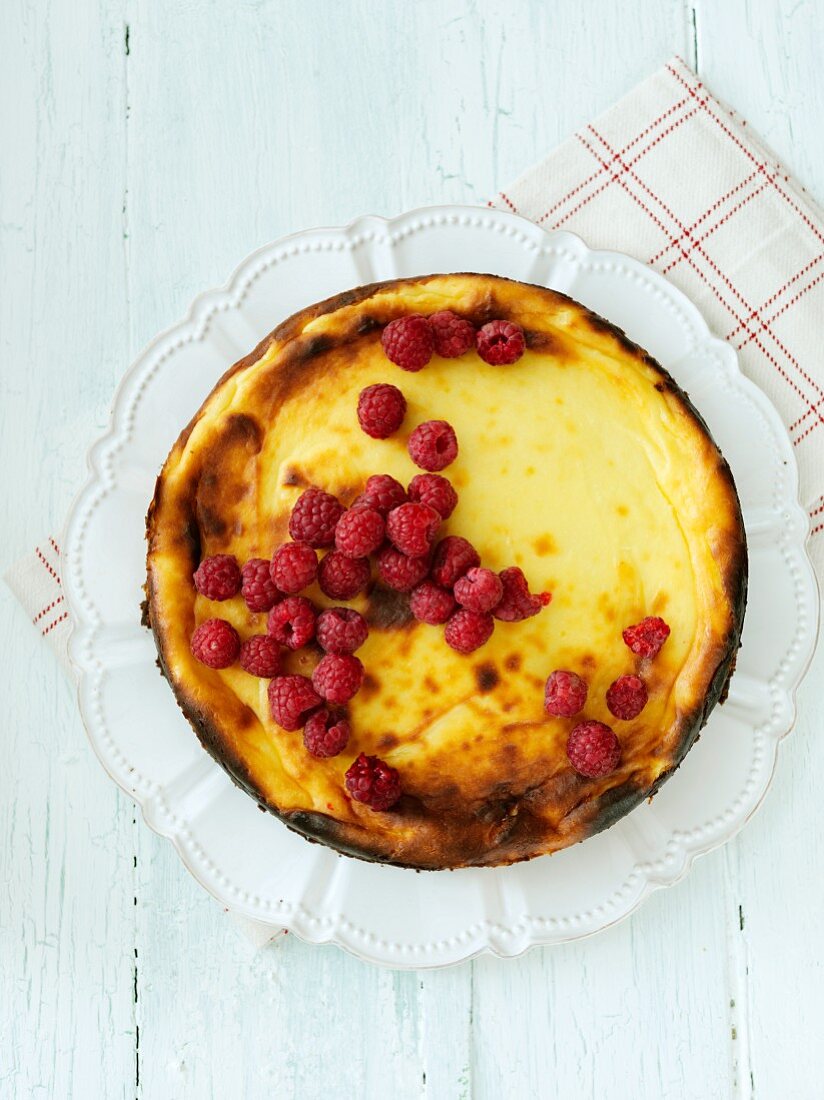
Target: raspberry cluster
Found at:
x=411, y=341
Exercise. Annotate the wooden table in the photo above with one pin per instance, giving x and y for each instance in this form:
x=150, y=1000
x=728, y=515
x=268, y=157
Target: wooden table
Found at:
x=146, y=148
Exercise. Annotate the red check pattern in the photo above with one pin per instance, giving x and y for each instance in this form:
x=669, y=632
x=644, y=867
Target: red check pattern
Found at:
x=35, y=580
x=676, y=179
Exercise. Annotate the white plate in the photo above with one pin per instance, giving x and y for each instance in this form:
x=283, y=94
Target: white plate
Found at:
x=249, y=860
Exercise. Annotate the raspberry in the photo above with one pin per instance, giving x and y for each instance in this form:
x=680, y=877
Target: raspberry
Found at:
x=433, y=445
x=359, y=532
x=453, y=334
x=374, y=782
x=382, y=493
x=500, y=342
x=479, y=590
x=294, y=567
x=325, y=733
x=646, y=638
x=292, y=622
x=565, y=693
x=627, y=696
x=431, y=604
x=412, y=528
x=453, y=557
x=381, y=409
x=468, y=630
x=337, y=677
x=257, y=587
x=517, y=602
x=398, y=571
x=314, y=517
x=341, y=630
x=260, y=656
x=290, y=699
x=341, y=577
x=218, y=577
x=409, y=342
x=434, y=490
x=216, y=643
x=593, y=749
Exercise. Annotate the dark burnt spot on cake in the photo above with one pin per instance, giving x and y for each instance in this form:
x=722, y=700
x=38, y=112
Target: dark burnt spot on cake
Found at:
x=387, y=609
x=431, y=685
x=370, y=686
x=599, y=324
x=367, y=324
x=486, y=676
x=210, y=522
x=293, y=477
x=588, y=662
x=543, y=342
x=513, y=661
x=388, y=741
x=240, y=428
x=544, y=545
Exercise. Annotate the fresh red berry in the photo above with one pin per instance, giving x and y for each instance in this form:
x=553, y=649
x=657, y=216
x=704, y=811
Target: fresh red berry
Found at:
x=257, y=588
x=412, y=528
x=479, y=589
x=292, y=622
x=216, y=643
x=431, y=604
x=565, y=693
x=337, y=677
x=409, y=342
x=359, y=532
x=593, y=749
x=341, y=577
x=433, y=445
x=434, y=490
x=218, y=577
x=500, y=342
x=374, y=782
x=453, y=335
x=398, y=571
x=454, y=556
x=341, y=630
x=326, y=733
x=260, y=656
x=381, y=409
x=314, y=517
x=294, y=567
x=646, y=638
x=381, y=492
x=291, y=699
x=467, y=630
x=627, y=696
x=517, y=602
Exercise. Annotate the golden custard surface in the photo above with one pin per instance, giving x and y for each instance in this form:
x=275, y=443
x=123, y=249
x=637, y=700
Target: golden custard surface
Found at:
x=582, y=463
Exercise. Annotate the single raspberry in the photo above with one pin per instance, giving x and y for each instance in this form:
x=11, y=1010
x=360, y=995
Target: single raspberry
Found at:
x=341, y=577
x=431, y=604
x=381, y=409
x=517, y=602
x=468, y=630
x=294, y=567
x=326, y=733
x=218, y=577
x=314, y=517
x=257, y=588
x=292, y=622
x=412, y=528
x=453, y=334
x=593, y=749
x=627, y=696
x=500, y=342
x=646, y=638
x=291, y=698
x=434, y=490
x=260, y=656
x=359, y=532
x=565, y=693
x=479, y=590
x=374, y=782
x=409, y=342
x=382, y=493
x=341, y=630
x=216, y=643
x=454, y=556
x=337, y=677
x=398, y=571
x=433, y=445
